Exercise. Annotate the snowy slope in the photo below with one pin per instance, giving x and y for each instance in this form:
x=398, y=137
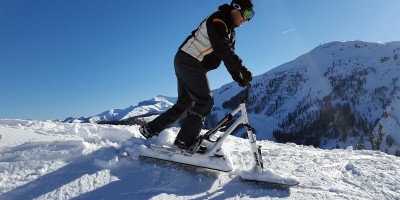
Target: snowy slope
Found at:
x=49, y=160
x=356, y=77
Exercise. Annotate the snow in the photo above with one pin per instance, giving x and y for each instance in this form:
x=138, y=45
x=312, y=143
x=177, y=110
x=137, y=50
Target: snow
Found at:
x=52, y=160
x=268, y=176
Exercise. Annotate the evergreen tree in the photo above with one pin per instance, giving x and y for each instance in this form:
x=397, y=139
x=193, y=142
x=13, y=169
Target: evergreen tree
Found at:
x=360, y=144
x=389, y=140
x=397, y=153
x=376, y=139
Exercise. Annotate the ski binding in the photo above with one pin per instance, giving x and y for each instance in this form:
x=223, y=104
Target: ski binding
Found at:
x=219, y=162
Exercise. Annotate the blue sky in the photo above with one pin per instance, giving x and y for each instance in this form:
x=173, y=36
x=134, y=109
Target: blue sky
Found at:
x=81, y=57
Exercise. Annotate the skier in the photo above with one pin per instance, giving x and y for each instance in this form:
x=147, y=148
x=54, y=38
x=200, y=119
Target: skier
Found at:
x=212, y=42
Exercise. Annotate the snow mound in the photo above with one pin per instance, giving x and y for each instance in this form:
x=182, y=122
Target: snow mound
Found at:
x=49, y=160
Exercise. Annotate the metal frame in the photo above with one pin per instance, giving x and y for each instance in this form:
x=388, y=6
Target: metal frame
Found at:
x=243, y=119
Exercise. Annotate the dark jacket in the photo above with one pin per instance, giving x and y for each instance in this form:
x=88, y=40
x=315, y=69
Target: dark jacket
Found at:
x=214, y=41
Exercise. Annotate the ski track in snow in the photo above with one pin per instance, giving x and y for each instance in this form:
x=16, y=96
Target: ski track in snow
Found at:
x=49, y=160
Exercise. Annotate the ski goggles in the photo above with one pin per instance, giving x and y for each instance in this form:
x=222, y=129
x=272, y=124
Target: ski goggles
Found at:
x=247, y=13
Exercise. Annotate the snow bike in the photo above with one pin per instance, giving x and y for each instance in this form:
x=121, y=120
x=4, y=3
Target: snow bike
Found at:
x=214, y=158
x=209, y=136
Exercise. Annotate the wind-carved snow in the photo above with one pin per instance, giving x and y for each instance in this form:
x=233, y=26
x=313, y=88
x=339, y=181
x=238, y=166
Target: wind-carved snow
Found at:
x=82, y=185
x=49, y=160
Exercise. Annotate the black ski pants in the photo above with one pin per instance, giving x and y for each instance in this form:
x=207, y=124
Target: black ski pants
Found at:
x=195, y=100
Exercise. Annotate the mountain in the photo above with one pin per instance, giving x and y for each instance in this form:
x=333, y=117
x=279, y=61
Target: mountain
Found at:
x=144, y=109
x=339, y=94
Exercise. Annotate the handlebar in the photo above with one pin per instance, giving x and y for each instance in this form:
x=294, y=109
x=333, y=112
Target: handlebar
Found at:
x=246, y=96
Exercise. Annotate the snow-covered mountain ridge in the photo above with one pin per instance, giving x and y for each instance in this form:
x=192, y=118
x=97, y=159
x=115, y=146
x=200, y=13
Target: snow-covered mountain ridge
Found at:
x=339, y=94
x=153, y=106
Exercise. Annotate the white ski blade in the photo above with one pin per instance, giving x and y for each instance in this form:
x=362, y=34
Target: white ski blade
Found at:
x=269, y=177
x=220, y=163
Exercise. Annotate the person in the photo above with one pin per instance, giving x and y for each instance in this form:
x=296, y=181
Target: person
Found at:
x=204, y=50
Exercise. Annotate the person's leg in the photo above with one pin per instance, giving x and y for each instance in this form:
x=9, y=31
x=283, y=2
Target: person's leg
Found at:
x=174, y=114
x=194, y=80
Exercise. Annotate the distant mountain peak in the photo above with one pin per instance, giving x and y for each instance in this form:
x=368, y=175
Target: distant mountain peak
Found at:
x=154, y=105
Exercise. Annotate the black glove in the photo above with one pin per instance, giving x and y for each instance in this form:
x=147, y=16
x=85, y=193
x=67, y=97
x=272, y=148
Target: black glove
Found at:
x=243, y=77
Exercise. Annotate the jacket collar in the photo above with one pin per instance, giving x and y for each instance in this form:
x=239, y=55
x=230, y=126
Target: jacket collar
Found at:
x=226, y=9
